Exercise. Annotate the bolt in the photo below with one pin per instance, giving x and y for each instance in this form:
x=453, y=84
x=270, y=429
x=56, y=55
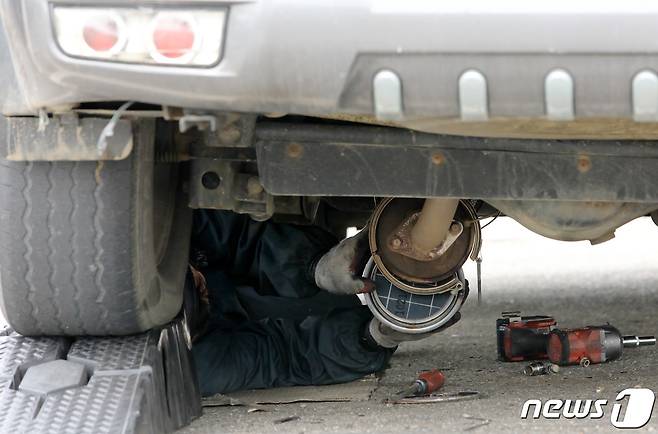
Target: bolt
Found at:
x=438, y=158
x=585, y=362
x=294, y=150
x=584, y=163
x=541, y=368
x=455, y=228
x=210, y=180
x=229, y=134
x=396, y=243
x=254, y=187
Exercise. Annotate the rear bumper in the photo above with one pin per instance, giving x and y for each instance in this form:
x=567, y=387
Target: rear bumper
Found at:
x=316, y=58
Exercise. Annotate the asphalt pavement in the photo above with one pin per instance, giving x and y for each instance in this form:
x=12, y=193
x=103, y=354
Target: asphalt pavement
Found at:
x=579, y=284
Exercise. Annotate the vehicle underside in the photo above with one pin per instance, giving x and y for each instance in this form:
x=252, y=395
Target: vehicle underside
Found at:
x=420, y=195
x=114, y=134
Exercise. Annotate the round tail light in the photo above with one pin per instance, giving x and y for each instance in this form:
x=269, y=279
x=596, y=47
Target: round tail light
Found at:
x=104, y=34
x=174, y=38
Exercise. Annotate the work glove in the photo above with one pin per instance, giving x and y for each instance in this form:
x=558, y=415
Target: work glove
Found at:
x=388, y=338
x=339, y=270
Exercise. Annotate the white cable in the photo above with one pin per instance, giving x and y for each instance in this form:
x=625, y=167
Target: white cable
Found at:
x=108, y=131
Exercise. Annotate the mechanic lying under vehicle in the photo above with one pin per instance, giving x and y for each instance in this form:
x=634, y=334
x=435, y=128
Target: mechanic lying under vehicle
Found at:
x=274, y=304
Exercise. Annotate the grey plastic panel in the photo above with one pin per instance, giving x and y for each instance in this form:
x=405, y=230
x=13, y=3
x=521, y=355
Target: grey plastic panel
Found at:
x=17, y=354
x=53, y=376
x=136, y=384
x=315, y=60
x=104, y=406
x=12, y=97
x=110, y=353
x=16, y=409
x=64, y=138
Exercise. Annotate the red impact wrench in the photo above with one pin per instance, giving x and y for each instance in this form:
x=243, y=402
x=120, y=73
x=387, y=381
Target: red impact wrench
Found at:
x=523, y=337
x=592, y=344
x=427, y=383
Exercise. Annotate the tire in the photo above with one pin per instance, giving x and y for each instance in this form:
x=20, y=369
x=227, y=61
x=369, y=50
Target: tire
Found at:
x=93, y=248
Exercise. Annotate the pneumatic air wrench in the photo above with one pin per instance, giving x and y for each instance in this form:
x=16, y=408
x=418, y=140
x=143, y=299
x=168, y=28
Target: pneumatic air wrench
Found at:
x=592, y=344
x=523, y=337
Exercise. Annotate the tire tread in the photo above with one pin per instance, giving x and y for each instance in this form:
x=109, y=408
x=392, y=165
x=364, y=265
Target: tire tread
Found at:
x=65, y=212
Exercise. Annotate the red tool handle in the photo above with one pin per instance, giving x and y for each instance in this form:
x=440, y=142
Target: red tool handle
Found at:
x=433, y=379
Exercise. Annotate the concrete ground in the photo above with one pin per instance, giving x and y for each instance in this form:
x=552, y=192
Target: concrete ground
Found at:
x=578, y=284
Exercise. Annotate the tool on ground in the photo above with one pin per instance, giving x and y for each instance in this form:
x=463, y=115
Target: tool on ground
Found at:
x=523, y=337
x=465, y=395
x=478, y=262
x=427, y=383
x=592, y=344
x=541, y=368
x=221, y=400
x=481, y=422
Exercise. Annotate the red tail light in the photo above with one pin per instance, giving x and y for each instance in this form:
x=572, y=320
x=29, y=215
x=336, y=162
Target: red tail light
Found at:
x=191, y=36
x=101, y=33
x=173, y=37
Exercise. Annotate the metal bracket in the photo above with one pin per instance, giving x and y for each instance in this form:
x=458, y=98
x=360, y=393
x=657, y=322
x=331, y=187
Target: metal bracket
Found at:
x=219, y=184
x=64, y=138
x=221, y=177
x=400, y=240
x=233, y=130
x=221, y=129
x=202, y=122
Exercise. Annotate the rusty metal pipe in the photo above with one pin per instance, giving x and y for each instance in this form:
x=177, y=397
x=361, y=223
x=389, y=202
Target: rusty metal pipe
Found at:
x=433, y=223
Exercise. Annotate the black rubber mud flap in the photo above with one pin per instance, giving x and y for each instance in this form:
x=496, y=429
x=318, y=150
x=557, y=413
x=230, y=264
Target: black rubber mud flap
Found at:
x=142, y=383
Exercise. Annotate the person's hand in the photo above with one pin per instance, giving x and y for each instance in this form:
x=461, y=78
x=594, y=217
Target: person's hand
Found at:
x=196, y=306
x=337, y=270
x=388, y=338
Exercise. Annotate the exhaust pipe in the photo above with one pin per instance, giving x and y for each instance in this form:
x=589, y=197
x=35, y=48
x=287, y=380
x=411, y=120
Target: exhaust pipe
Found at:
x=433, y=224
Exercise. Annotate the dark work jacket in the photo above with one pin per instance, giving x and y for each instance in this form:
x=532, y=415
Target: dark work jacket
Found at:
x=269, y=324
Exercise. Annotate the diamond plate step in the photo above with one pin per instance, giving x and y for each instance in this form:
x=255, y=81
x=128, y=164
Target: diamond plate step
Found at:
x=141, y=384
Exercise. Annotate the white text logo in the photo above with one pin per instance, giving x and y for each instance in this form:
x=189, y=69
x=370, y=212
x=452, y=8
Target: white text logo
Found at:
x=634, y=413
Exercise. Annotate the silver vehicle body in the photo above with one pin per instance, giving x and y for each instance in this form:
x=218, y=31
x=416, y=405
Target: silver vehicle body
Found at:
x=321, y=58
